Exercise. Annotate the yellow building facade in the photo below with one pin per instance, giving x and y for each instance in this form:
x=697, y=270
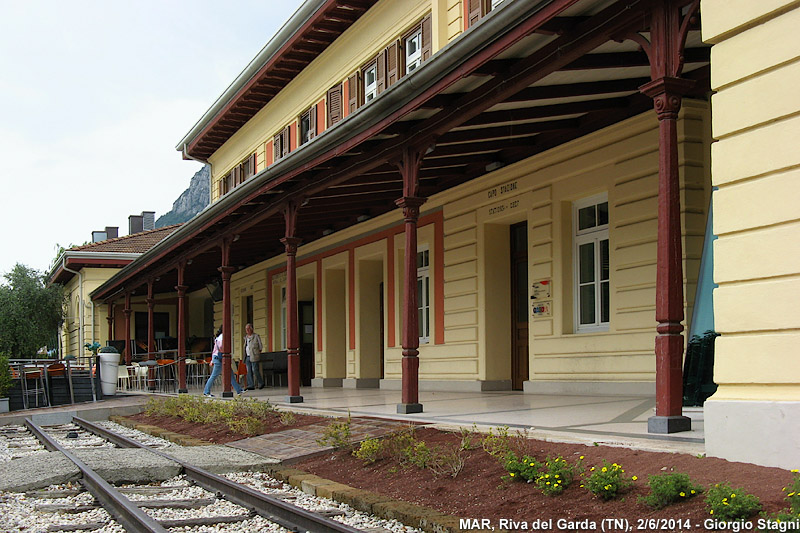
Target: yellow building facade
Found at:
x=540, y=241
x=755, y=414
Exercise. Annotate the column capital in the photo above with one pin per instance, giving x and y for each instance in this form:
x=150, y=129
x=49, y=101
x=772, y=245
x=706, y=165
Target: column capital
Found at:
x=181, y=290
x=127, y=312
x=410, y=206
x=291, y=244
x=667, y=93
x=150, y=302
x=227, y=271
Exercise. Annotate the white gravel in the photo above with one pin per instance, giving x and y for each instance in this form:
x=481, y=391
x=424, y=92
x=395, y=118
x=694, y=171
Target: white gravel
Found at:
x=144, y=438
x=16, y=441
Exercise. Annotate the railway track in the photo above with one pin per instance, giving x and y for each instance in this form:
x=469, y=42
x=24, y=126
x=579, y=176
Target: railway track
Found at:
x=206, y=500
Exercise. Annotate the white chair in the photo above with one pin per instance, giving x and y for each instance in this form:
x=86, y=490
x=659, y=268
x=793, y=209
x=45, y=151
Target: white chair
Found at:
x=124, y=377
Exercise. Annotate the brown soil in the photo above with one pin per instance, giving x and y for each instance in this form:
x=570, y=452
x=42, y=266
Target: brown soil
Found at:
x=479, y=492
x=220, y=433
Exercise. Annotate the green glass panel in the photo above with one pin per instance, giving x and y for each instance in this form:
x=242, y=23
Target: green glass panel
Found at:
x=586, y=262
x=602, y=214
x=604, y=259
x=587, y=218
x=586, y=296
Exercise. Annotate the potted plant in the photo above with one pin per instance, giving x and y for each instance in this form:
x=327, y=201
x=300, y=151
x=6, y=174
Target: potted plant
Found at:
x=109, y=362
x=5, y=383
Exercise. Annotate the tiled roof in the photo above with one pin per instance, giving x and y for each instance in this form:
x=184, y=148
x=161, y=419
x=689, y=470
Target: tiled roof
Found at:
x=137, y=243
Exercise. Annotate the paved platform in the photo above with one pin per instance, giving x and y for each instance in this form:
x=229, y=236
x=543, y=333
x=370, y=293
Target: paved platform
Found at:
x=294, y=444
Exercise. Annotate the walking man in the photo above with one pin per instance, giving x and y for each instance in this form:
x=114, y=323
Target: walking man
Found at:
x=252, y=358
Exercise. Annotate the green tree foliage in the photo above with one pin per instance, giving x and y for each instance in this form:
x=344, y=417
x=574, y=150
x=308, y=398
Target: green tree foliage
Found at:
x=30, y=312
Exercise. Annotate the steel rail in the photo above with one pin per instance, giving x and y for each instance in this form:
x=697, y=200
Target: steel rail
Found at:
x=124, y=511
x=282, y=513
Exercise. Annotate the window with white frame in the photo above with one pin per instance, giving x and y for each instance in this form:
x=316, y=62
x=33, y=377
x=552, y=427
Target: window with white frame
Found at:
x=591, y=263
x=413, y=50
x=496, y=3
x=423, y=294
x=370, y=82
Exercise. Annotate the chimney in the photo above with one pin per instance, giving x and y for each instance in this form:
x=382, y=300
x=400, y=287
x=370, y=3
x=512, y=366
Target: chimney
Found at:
x=112, y=232
x=148, y=220
x=134, y=224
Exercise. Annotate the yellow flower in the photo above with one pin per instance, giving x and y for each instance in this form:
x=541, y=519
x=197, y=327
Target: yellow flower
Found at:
x=795, y=471
x=791, y=494
x=581, y=457
x=512, y=474
x=733, y=495
x=683, y=494
x=724, y=499
x=557, y=476
x=592, y=469
x=533, y=464
x=605, y=469
x=711, y=511
x=547, y=475
x=634, y=478
x=693, y=492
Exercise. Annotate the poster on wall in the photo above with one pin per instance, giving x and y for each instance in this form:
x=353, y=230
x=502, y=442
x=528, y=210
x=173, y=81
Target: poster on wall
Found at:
x=542, y=309
x=540, y=290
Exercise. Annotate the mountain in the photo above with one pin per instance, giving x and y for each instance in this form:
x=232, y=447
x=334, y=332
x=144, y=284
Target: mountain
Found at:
x=190, y=202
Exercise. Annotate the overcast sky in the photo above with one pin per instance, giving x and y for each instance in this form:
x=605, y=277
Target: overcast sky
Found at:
x=94, y=97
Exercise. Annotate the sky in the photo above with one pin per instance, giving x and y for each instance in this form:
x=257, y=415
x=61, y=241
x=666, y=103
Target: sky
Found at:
x=94, y=97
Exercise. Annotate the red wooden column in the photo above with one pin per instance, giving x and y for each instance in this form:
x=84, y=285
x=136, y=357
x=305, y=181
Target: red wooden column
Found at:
x=151, y=336
x=667, y=37
x=410, y=203
x=291, y=242
x=181, y=288
x=127, y=313
x=227, y=330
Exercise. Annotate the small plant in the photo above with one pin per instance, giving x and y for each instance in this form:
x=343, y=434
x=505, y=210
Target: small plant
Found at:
x=666, y=489
x=467, y=438
x=92, y=347
x=369, y=451
x=521, y=469
x=607, y=481
x=793, y=494
x=726, y=503
x=419, y=454
x=497, y=445
x=556, y=475
x=247, y=425
x=337, y=433
x=287, y=418
x=447, y=462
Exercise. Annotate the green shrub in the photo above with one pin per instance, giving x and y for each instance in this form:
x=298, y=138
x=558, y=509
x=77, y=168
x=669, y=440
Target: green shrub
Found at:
x=287, y=418
x=607, y=481
x=468, y=436
x=246, y=425
x=447, y=462
x=666, y=489
x=497, y=445
x=337, y=433
x=556, y=475
x=793, y=494
x=5, y=376
x=521, y=469
x=369, y=451
x=726, y=503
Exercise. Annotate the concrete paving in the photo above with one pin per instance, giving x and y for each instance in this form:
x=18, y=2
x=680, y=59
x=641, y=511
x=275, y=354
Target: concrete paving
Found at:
x=37, y=471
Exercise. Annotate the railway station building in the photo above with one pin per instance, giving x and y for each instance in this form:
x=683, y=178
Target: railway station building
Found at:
x=483, y=195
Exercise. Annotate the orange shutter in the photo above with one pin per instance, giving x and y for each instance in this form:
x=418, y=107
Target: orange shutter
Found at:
x=292, y=136
x=269, y=154
x=320, y=116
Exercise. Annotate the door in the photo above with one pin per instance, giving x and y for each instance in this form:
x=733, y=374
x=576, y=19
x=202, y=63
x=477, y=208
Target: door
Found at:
x=306, y=312
x=519, y=305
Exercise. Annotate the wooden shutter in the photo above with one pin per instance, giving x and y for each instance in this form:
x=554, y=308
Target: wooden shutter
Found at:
x=354, y=88
x=380, y=71
x=393, y=63
x=312, y=122
x=475, y=11
x=220, y=187
x=237, y=172
x=426, y=38
x=285, y=140
x=334, y=105
x=253, y=163
x=277, y=144
x=269, y=153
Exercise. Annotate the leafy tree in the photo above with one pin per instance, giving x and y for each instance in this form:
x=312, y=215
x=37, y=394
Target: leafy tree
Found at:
x=30, y=311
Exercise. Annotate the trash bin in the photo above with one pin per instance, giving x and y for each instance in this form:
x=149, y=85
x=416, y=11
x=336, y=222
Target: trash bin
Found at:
x=109, y=362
